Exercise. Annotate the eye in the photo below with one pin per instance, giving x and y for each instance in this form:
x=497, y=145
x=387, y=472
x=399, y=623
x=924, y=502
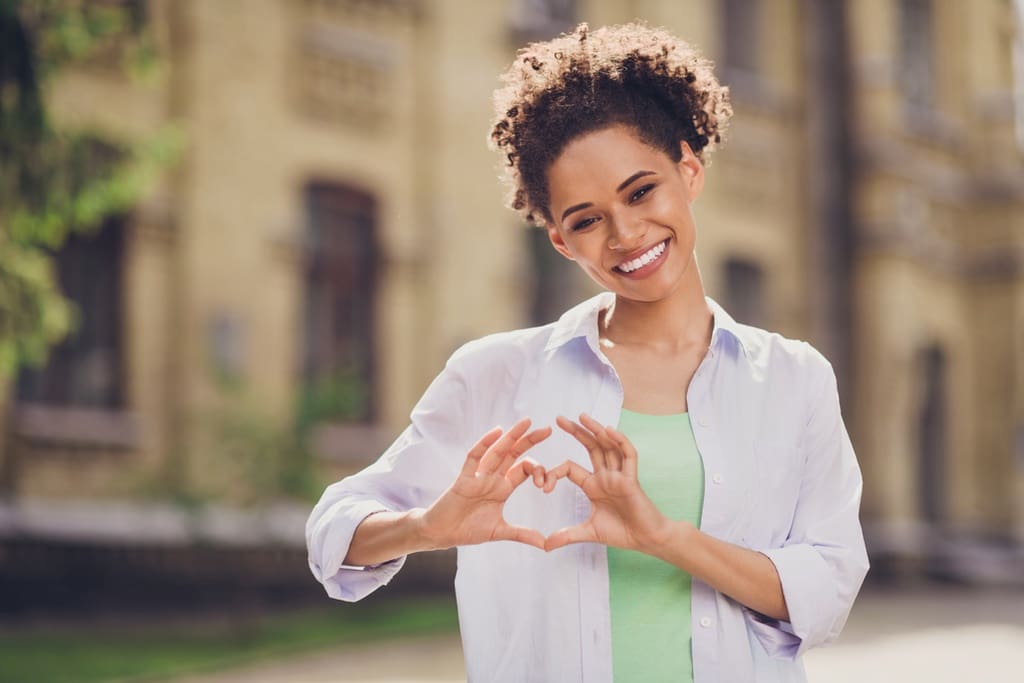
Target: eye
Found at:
x=583, y=223
x=641, y=193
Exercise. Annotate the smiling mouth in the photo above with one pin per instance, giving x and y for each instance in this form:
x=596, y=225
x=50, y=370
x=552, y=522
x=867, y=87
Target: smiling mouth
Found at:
x=652, y=255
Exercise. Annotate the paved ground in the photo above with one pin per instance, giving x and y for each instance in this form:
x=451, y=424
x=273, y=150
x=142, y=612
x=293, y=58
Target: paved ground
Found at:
x=935, y=635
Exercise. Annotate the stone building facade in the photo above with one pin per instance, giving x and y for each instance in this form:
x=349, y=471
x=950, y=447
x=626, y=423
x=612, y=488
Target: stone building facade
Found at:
x=337, y=213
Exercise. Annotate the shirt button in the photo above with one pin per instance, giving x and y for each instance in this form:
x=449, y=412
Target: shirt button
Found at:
x=704, y=422
x=717, y=478
x=705, y=622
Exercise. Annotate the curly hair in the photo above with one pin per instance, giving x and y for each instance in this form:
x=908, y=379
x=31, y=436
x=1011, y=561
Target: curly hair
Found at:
x=583, y=81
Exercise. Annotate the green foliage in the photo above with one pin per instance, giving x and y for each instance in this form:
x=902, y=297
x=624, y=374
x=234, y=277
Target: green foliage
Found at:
x=53, y=182
x=248, y=457
x=341, y=396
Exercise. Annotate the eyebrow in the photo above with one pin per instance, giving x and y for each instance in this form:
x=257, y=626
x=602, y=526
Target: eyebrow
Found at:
x=623, y=185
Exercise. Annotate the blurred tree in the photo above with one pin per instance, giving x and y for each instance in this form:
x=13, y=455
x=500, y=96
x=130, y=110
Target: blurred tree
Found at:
x=53, y=182
x=263, y=459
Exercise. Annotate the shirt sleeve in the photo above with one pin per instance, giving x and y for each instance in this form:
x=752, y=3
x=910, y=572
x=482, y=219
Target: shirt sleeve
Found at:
x=823, y=561
x=420, y=464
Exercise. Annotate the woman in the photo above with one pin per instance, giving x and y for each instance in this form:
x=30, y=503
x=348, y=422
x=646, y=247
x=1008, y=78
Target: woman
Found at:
x=708, y=526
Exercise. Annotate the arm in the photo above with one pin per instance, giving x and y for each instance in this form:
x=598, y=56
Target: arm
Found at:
x=467, y=513
x=390, y=495
x=796, y=596
x=385, y=536
x=623, y=516
x=823, y=561
x=746, y=576
x=412, y=472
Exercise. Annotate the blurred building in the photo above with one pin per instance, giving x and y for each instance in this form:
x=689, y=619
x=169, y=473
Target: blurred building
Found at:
x=337, y=214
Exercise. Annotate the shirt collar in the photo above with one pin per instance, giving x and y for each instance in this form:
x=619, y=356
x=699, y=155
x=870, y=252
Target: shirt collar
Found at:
x=581, y=321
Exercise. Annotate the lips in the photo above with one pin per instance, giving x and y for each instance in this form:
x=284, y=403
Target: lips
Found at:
x=643, y=261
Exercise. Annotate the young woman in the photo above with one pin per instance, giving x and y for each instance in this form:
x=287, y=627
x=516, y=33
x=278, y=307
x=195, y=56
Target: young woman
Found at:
x=694, y=516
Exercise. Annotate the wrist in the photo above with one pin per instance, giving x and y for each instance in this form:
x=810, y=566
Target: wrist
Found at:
x=669, y=538
x=425, y=533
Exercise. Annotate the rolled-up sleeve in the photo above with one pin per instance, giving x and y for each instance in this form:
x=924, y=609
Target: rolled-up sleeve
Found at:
x=412, y=472
x=823, y=561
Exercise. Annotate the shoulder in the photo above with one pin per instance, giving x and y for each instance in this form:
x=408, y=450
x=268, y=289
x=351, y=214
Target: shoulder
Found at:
x=791, y=372
x=781, y=356
x=501, y=353
x=502, y=360
x=767, y=353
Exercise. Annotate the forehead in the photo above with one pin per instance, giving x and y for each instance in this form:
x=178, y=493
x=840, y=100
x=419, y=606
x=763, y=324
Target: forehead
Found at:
x=599, y=161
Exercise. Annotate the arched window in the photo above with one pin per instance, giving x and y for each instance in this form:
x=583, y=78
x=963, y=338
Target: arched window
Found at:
x=340, y=298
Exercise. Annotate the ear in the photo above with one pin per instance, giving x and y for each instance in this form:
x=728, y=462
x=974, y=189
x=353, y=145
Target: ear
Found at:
x=691, y=169
x=557, y=242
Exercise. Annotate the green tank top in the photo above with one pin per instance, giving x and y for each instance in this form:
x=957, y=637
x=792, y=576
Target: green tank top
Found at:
x=650, y=599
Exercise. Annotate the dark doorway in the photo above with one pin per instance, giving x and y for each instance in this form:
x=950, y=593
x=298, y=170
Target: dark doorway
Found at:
x=342, y=261
x=933, y=433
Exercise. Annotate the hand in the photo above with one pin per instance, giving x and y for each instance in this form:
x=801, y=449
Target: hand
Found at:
x=621, y=513
x=470, y=511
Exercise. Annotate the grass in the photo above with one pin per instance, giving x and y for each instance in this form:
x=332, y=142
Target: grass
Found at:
x=161, y=652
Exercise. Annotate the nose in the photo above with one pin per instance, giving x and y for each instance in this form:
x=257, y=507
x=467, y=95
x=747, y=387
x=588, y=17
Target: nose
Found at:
x=625, y=234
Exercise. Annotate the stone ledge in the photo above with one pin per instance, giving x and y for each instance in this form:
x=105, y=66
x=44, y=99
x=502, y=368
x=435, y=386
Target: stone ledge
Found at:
x=166, y=524
x=60, y=425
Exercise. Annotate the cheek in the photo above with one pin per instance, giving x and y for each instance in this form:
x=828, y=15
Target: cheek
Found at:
x=668, y=208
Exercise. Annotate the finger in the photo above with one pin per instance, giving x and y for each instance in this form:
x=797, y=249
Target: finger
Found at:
x=472, y=462
x=539, y=474
x=597, y=429
x=580, y=533
x=550, y=481
x=525, y=443
x=607, y=448
x=630, y=458
x=553, y=475
x=522, y=470
x=494, y=455
x=569, y=469
x=581, y=434
x=612, y=451
x=521, y=534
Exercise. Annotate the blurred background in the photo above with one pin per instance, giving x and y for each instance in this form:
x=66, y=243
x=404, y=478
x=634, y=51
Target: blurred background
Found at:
x=239, y=238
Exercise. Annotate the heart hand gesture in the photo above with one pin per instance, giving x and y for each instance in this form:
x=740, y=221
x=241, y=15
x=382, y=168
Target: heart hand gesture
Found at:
x=470, y=511
x=621, y=513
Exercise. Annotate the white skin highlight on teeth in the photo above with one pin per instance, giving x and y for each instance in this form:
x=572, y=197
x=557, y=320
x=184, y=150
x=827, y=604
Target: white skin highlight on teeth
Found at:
x=643, y=259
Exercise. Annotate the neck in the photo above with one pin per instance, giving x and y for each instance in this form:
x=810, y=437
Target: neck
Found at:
x=681, y=321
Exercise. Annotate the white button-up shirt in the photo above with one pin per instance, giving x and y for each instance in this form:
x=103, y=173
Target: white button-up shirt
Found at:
x=784, y=480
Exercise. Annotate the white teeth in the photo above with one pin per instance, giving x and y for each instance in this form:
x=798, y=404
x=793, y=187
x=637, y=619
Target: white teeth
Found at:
x=643, y=259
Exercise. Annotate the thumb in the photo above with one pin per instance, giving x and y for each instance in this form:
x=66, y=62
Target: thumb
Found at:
x=581, y=533
x=521, y=534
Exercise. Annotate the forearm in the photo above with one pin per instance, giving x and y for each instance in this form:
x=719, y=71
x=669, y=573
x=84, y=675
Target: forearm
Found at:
x=385, y=536
x=746, y=576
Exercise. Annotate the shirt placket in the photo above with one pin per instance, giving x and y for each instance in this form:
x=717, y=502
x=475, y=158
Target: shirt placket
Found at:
x=704, y=630
x=595, y=609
